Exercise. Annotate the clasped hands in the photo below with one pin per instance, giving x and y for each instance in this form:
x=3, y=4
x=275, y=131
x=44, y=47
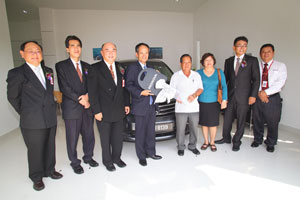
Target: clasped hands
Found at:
x=99, y=116
x=84, y=101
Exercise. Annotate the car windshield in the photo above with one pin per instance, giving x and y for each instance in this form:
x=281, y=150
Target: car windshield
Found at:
x=160, y=66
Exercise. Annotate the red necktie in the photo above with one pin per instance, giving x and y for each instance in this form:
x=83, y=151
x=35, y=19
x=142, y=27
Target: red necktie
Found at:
x=112, y=72
x=79, y=72
x=265, y=84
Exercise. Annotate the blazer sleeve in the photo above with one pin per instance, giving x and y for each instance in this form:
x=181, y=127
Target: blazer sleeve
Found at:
x=93, y=90
x=130, y=85
x=64, y=86
x=14, y=89
x=255, y=78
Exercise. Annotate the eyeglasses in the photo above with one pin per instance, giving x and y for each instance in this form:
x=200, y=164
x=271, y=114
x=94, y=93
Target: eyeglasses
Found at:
x=241, y=46
x=34, y=52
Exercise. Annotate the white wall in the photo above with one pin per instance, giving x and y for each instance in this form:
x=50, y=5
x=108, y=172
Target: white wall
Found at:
x=8, y=118
x=217, y=23
x=172, y=31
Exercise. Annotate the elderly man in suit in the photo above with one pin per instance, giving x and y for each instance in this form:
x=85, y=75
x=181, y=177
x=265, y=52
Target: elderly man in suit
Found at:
x=242, y=76
x=109, y=102
x=72, y=80
x=30, y=92
x=142, y=107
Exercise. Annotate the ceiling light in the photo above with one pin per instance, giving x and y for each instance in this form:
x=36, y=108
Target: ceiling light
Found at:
x=25, y=11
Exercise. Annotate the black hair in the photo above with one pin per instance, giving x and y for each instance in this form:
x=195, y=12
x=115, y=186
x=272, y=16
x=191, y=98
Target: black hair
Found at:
x=141, y=44
x=243, y=38
x=72, y=37
x=185, y=55
x=267, y=45
x=22, y=47
x=206, y=55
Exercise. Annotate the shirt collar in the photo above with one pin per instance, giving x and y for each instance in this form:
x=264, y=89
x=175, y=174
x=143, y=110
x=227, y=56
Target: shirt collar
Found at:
x=241, y=57
x=74, y=63
x=108, y=65
x=34, y=67
x=269, y=63
x=142, y=64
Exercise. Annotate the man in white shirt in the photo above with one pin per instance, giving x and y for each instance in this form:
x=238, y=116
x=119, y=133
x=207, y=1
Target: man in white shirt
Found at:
x=188, y=85
x=267, y=109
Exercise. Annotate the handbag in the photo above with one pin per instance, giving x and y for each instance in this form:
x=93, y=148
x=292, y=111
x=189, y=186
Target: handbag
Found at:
x=219, y=87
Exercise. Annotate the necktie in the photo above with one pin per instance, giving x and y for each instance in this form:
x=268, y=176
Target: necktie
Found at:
x=237, y=66
x=112, y=72
x=151, y=98
x=41, y=77
x=79, y=72
x=264, y=80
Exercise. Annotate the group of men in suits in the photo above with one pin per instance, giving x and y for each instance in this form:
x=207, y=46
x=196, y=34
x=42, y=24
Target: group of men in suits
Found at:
x=250, y=83
x=88, y=92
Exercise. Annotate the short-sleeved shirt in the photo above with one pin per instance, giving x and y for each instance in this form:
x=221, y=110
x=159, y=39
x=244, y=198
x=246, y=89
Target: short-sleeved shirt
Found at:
x=186, y=86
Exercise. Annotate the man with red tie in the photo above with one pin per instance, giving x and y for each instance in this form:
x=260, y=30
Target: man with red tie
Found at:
x=76, y=111
x=267, y=108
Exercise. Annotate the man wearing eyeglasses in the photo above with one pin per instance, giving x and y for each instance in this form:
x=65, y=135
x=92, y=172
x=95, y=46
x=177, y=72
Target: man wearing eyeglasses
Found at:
x=30, y=92
x=242, y=76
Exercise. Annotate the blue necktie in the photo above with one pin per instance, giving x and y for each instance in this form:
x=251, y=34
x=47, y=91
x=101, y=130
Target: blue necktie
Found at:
x=151, y=98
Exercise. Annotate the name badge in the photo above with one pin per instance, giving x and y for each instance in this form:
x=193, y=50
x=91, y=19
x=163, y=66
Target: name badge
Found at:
x=264, y=83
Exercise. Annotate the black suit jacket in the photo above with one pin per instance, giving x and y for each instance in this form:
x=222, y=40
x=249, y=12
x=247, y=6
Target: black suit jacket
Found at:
x=139, y=104
x=105, y=96
x=246, y=83
x=34, y=103
x=71, y=87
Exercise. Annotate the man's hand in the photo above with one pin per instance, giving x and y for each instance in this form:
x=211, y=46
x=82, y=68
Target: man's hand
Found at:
x=84, y=100
x=251, y=100
x=191, y=98
x=263, y=96
x=127, y=110
x=99, y=116
x=146, y=93
x=224, y=104
x=178, y=101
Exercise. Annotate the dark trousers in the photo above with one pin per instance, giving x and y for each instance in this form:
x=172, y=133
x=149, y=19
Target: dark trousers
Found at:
x=267, y=113
x=145, y=134
x=240, y=111
x=40, y=145
x=111, y=138
x=75, y=127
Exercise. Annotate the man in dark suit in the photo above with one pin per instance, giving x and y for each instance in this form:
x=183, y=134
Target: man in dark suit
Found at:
x=109, y=102
x=30, y=92
x=242, y=76
x=142, y=107
x=72, y=80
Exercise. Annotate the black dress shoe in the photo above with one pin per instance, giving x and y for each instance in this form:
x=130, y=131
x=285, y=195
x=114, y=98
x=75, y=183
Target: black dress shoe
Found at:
x=143, y=162
x=92, y=163
x=78, y=169
x=195, y=151
x=155, y=157
x=180, y=152
x=39, y=185
x=56, y=175
x=110, y=168
x=270, y=149
x=121, y=164
x=255, y=144
x=235, y=148
x=222, y=141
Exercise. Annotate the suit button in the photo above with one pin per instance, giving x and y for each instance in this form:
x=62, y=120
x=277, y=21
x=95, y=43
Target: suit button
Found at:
x=109, y=89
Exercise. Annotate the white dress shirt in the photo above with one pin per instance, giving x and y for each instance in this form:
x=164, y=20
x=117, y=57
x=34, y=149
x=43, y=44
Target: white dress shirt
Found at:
x=38, y=71
x=277, y=75
x=235, y=59
x=186, y=86
x=114, y=70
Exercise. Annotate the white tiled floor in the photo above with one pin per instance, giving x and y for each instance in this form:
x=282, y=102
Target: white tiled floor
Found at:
x=247, y=174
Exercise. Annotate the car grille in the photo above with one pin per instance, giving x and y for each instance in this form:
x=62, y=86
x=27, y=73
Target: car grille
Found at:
x=166, y=108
